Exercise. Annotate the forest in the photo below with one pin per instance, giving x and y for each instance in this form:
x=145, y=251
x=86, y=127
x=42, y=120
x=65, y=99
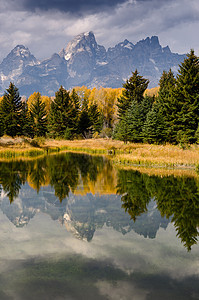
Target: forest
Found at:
x=127, y=114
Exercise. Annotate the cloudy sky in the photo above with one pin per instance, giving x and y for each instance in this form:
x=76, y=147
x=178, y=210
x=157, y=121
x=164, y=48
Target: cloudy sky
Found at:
x=46, y=26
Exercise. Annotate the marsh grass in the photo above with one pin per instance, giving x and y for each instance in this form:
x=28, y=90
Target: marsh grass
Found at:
x=131, y=154
x=13, y=153
x=171, y=156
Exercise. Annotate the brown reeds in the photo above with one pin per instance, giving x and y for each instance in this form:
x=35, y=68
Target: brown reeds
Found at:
x=169, y=156
x=140, y=154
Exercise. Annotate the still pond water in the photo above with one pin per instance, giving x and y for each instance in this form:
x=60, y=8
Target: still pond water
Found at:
x=74, y=227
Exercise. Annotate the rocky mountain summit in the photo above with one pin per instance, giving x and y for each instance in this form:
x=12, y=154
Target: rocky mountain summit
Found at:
x=84, y=62
x=14, y=64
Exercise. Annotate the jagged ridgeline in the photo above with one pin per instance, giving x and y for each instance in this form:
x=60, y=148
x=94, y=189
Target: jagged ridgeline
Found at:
x=84, y=62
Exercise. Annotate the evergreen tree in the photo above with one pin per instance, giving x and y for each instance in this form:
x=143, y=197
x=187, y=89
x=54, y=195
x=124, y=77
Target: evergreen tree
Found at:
x=179, y=100
x=134, y=119
x=136, y=116
x=95, y=117
x=84, y=124
x=132, y=109
x=1, y=122
x=11, y=111
x=121, y=131
x=134, y=89
x=38, y=113
x=27, y=121
x=131, y=124
x=64, y=113
x=167, y=83
x=75, y=111
x=166, y=107
x=186, y=97
x=153, y=129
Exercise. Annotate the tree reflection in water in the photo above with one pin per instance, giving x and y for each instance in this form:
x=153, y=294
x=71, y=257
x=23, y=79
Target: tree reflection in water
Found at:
x=176, y=198
x=63, y=172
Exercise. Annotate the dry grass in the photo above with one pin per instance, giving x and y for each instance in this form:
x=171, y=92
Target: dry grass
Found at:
x=102, y=145
x=169, y=156
x=142, y=154
x=18, y=153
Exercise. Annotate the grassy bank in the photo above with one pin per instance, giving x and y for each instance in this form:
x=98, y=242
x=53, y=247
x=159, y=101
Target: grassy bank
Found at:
x=130, y=154
x=24, y=148
x=136, y=154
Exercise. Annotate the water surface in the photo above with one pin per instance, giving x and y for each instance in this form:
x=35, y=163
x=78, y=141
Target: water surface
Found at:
x=74, y=227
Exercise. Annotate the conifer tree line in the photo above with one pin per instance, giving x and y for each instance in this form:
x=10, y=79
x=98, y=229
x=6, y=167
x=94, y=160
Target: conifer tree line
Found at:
x=170, y=117
x=65, y=117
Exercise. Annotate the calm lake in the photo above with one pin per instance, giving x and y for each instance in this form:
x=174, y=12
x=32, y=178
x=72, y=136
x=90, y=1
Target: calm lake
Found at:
x=73, y=226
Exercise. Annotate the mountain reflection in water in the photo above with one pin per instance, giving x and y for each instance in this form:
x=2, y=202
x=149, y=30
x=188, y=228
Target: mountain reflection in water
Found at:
x=86, y=192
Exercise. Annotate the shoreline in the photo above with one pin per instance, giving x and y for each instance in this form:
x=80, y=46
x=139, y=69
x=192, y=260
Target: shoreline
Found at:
x=131, y=154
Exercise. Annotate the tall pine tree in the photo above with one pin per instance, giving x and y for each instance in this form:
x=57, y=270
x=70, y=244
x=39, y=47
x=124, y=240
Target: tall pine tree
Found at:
x=84, y=120
x=27, y=121
x=186, y=97
x=1, y=121
x=134, y=89
x=64, y=113
x=75, y=111
x=158, y=127
x=96, y=118
x=153, y=128
x=11, y=111
x=121, y=131
x=136, y=116
x=39, y=116
x=167, y=83
x=132, y=109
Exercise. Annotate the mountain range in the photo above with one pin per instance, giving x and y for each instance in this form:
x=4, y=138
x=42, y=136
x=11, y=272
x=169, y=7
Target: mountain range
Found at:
x=84, y=62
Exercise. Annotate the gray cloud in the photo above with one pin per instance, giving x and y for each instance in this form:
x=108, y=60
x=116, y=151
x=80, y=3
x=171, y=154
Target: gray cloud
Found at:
x=47, y=28
x=79, y=6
